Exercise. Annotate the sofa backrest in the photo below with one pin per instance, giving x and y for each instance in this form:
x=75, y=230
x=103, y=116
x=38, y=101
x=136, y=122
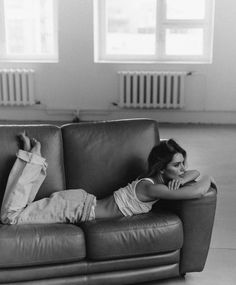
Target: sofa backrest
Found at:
x=100, y=157
x=51, y=139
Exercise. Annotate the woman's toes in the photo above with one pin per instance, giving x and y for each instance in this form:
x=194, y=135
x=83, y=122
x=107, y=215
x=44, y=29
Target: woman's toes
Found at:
x=25, y=140
x=36, y=146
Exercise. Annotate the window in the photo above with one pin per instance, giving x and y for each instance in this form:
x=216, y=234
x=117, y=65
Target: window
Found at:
x=28, y=30
x=153, y=30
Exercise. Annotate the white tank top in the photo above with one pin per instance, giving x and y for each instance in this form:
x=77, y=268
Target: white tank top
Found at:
x=128, y=202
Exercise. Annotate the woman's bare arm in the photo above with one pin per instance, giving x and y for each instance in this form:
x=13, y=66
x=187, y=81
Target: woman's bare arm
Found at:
x=189, y=175
x=197, y=190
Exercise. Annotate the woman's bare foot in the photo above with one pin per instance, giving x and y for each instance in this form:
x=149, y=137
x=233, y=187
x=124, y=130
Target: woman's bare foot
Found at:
x=36, y=147
x=25, y=140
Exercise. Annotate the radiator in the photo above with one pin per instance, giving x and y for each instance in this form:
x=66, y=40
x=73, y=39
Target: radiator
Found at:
x=17, y=87
x=151, y=89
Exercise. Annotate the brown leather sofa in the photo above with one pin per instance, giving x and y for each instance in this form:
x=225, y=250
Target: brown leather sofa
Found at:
x=171, y=240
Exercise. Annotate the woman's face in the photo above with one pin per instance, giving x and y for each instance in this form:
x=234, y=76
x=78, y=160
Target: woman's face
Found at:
x=175, y=168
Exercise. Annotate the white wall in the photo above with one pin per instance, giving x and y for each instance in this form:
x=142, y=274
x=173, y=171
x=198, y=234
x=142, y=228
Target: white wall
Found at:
x=76, y=82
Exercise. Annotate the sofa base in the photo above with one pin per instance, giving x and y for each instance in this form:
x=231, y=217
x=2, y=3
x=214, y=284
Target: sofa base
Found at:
x=116, y=277
x=131, y=271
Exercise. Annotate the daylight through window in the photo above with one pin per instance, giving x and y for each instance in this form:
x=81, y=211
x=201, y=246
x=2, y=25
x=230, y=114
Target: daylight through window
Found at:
x=28, y=30
x=153, y=30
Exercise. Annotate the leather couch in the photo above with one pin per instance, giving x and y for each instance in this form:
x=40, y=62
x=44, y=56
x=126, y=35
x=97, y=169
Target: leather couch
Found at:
x=171, y=240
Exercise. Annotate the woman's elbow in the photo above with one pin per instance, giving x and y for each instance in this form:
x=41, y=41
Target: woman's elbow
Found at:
x=200, y=195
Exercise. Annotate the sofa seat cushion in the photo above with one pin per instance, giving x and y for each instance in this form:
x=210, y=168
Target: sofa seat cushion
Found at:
x=26, y=245
x=138, y=235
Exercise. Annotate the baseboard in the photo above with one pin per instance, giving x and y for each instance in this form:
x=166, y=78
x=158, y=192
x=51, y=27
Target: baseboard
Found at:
x=42, y=113
x=34, y=113
x=163, y=116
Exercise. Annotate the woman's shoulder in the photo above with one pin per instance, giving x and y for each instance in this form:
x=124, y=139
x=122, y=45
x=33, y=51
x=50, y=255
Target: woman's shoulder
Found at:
x=148, y=179
x=150, y=183
x=148, y=189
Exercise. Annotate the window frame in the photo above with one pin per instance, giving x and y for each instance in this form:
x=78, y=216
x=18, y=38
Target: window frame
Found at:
x=4, y=57
x=207, y=24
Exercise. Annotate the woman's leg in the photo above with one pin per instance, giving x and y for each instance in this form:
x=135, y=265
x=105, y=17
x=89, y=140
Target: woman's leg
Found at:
x=67, y=206
x=25, y=179
x=27, y=174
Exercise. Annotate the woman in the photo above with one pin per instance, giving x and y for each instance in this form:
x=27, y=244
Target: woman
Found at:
x=166, y=178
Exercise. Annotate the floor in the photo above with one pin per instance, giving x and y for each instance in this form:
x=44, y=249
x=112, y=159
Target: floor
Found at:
x=212, y=150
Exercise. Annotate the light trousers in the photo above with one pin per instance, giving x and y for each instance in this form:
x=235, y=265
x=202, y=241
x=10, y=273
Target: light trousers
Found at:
x=25, y=179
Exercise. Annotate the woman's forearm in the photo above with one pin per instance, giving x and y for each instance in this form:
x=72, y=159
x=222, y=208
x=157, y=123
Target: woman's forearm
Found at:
x=189, y=176
x=203, y=185
x=193, y=191
x=196, y=190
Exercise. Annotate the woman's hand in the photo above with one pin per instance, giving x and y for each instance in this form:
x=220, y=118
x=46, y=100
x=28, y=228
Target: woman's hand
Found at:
x=175, y=183
x=189, y=175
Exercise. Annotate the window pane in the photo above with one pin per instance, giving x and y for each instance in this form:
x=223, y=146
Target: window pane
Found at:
x=185, y=9
x=130, y=27
x=184, y=41
x=29, y=27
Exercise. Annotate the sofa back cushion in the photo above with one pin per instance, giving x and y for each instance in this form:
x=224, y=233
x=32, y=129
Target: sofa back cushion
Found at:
x=101, y=157
x=50, y=137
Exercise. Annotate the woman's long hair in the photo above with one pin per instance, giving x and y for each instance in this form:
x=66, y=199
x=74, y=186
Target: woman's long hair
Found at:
x=161, y=155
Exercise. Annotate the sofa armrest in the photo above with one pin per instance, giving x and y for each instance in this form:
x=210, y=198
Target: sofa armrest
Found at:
x=197, y=216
